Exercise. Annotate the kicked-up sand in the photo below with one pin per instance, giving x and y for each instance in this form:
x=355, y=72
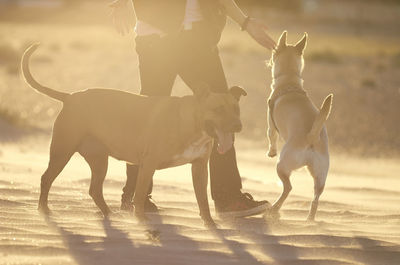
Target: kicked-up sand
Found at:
x=358, y=221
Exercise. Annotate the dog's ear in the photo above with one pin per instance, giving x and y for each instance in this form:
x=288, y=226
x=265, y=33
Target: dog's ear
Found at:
x=201, y=90
x=237, y=92
x=301, y=45
x=282, y=40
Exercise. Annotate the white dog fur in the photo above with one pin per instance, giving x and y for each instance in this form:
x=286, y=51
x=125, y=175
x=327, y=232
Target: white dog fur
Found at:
x=294, y=117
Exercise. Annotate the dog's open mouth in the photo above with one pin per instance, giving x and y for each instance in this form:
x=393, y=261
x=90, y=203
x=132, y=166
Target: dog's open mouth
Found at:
x=224, y=139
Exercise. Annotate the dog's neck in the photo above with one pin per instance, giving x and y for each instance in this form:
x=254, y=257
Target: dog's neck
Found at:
x=194, y=119
x=291, y=81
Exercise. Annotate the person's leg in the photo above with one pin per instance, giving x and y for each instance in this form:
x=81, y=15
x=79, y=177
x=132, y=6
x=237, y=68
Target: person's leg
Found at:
x=157, y=76
x=202, y=63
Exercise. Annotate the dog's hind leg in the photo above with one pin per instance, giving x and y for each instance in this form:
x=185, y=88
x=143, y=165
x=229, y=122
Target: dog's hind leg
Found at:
x=284, y=175
x=96, y=155
x=319, y=175
x=56, y=165
x=98, y=165
x=61, y=150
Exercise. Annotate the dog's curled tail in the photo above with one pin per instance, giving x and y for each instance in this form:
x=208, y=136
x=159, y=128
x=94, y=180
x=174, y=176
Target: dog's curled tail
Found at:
x=32, y=82
x=322, y=116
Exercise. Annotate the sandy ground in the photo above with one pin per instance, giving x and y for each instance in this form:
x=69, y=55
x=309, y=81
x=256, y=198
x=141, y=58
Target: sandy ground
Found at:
x=352, y=52
x=358, y=221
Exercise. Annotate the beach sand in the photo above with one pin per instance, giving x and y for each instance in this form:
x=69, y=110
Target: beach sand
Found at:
x=358, y=221
x=353, y=52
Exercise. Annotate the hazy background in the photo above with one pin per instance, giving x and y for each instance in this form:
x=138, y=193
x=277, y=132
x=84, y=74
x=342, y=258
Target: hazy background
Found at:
x=353, y=52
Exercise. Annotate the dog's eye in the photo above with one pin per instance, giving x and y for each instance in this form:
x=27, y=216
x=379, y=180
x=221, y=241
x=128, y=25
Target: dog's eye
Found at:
x=219, y=110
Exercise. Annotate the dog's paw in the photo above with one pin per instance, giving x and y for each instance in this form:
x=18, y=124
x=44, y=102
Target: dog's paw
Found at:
x=272, y=215
x=141, y=216
x=127, y=206
x=118, y=215
x=45, y=210
x=311, y=219
x=272, y=152
x=210, y=224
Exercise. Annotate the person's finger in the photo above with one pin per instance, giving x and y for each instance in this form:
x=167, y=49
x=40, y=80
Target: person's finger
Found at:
x=267, y=43
x=271, y=40
x=121, y=27
x=115, y=24
x=125, y=30
x=118, y=27
x=126, y=26
x=271, y=44
x=262, y=39
x=265, y=28
x=268, y=39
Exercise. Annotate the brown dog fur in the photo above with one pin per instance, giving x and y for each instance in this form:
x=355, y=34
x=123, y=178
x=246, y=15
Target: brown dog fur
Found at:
x=153, y=132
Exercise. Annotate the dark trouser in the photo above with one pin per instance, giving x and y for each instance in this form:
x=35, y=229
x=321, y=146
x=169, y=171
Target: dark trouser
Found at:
x=195, y=58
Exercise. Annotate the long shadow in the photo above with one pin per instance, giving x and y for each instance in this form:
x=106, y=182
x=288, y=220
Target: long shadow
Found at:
x=165, y=246
x=257, y=230
x=237, y=249
x=371, y=251
x=374, y=253
x=115, y=247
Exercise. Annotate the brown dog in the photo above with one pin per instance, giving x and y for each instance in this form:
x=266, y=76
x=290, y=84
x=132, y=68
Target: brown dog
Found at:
x=153, y=132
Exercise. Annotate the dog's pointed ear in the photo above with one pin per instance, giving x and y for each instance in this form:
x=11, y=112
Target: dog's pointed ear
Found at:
x=301, y=45
x=282, y=40
x=201, y=90
x=237, y=92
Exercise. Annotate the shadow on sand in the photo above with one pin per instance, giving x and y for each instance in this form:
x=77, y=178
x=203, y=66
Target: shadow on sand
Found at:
x=165, y=245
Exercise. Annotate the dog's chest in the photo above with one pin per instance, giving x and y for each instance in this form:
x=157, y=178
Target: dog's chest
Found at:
x=198, y=148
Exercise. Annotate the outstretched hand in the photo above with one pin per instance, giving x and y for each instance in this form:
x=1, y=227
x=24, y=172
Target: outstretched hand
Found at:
x=257, y=30
x=120, y=14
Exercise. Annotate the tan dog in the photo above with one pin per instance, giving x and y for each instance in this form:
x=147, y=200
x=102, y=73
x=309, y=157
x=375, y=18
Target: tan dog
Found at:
x=153, y=132
x=294, y=117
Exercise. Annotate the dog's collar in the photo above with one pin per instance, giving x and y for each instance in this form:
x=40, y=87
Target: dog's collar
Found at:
x=286, y=74
x=287, y=80
x=283, y=85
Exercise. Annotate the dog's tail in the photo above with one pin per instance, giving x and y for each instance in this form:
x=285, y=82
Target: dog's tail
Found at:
x=61, y=96
x=322, y=116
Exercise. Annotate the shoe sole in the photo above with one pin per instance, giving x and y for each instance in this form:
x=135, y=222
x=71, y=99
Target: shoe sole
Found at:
x=253, y=211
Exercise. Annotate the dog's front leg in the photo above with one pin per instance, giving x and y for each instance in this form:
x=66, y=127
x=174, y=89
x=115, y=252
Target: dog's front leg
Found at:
x=272, y=136
x=200, y=180
x=146, y=172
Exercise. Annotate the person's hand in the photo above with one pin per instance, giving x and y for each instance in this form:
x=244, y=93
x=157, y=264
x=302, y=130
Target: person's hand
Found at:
x=257, y=31
x=121, y=16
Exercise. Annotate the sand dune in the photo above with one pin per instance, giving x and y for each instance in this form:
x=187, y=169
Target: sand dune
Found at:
x=358, y=221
